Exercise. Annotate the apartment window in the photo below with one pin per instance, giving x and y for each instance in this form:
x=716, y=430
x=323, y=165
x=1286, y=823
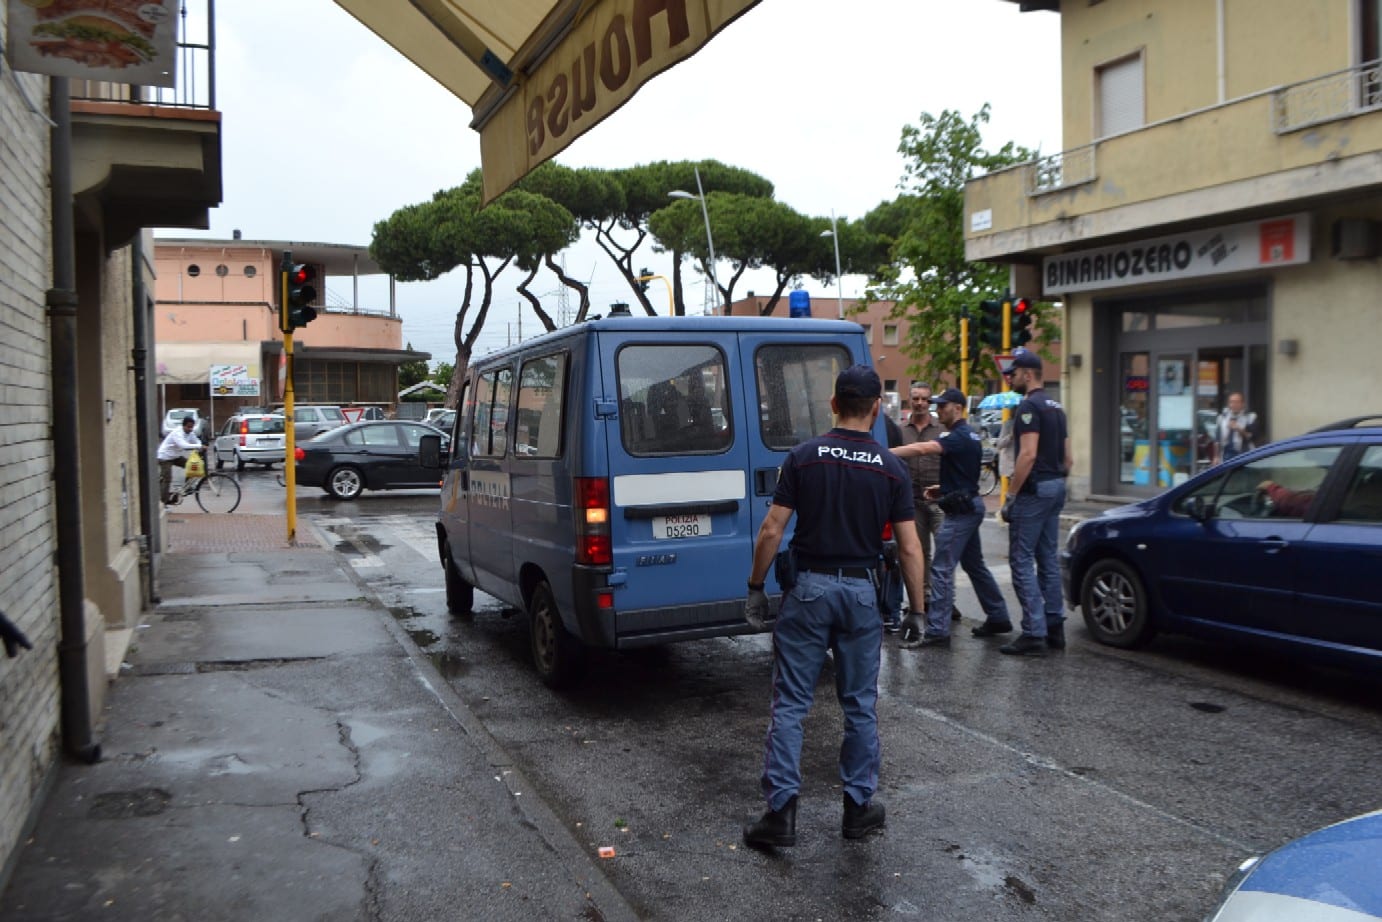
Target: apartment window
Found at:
x=1370, y=27
x=1121, y=105
x=890, y=334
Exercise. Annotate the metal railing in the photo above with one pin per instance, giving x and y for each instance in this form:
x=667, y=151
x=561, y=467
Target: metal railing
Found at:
x=195, y=74
x=1325, y=99
x=1061, y=171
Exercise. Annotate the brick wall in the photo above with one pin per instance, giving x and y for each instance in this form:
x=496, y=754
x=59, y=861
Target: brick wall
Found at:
x=28, y=587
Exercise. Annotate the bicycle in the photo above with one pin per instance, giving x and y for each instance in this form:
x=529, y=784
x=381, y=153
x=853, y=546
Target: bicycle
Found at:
x=988, y=477
x=214, y=492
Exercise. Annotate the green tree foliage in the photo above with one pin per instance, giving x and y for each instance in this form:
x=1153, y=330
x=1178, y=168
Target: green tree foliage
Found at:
x=920, y=237
x=410, y=373
x=750, y=232
x=425, y=241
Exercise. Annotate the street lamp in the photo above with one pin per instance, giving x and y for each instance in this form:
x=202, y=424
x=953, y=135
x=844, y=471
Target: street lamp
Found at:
x=839, y=279
x=705, y=213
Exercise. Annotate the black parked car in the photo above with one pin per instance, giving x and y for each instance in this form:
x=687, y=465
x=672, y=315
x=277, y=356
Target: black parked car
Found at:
x=366, y=456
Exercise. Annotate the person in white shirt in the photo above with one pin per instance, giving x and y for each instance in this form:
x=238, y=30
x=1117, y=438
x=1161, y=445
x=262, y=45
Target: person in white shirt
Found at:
x=1237, y=430
x=173, y=453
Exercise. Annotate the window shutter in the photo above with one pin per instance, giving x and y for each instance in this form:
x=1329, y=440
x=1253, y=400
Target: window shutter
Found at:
x=1120, y=96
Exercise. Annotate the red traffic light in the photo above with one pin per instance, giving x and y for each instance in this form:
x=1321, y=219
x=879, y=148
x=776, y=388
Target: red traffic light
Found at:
x=301, y=274
x=1022, y=306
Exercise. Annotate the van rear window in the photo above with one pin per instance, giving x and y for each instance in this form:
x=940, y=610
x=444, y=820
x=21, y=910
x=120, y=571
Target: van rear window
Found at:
x=673, y=400
x=795, y=383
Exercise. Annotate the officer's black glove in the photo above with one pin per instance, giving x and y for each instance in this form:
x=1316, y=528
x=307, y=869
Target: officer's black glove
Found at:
x=13, y=637
x=1006, y=513
x=756, y=609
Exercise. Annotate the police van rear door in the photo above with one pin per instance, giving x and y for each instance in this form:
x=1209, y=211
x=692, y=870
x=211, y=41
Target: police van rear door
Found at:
x=680, y=527
x=793, y=370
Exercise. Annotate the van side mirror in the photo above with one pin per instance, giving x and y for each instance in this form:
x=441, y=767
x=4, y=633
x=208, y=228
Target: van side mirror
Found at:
x=429, y=452
x=1199, y=509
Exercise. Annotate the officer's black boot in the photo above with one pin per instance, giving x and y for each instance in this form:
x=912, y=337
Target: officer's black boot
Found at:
x=859, y=820
x=775, y=828
x=1055, y=635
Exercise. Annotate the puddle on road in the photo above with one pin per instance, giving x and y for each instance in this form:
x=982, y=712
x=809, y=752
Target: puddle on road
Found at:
x=450, y=665
x=423, y=637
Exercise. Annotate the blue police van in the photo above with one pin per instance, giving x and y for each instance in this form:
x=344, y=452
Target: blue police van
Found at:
x=608, y=479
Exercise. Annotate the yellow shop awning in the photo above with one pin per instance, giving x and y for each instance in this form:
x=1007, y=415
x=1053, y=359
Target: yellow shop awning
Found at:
x=538, y=74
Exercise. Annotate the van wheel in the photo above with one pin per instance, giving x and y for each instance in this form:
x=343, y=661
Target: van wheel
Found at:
x=460, y=595
x=558, y=656
x=1115, y=605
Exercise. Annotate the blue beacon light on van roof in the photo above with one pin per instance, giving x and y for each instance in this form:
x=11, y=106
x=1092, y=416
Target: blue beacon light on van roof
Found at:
x=799, y=304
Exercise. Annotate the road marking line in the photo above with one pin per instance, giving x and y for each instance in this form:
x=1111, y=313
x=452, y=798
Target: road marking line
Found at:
x=1042, y=762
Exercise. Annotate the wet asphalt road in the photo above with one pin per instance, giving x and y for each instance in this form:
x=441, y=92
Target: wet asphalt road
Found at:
x=1096, y=784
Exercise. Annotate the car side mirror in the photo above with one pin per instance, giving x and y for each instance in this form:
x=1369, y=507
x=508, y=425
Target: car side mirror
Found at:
x=1199, y=509
x=429, y=452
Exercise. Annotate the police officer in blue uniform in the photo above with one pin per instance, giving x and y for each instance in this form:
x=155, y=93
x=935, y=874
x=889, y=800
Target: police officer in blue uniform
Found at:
x=843, y=488
x=1033, y=511
x=957, y=541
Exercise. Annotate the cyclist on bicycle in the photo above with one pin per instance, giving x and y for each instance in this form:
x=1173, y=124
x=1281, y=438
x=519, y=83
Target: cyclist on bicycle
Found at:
x=173, y=453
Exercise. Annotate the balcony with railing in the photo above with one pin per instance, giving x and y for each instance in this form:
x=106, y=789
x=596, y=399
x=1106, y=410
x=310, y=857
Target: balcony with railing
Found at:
x=1279, y=149
x=151, y=156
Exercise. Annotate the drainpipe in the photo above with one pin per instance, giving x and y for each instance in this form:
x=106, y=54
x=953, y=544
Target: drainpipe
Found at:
x=77, y=733
x=139, y=364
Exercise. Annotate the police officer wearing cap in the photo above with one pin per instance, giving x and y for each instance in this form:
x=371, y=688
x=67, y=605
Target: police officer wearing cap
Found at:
x=843, y=488
x=1034, y=507
x=957, y=541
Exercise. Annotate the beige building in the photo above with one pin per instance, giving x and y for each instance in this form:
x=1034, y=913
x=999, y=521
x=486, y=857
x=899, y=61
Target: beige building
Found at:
x=217, y=304
x=87, y=167
x=1213, y=224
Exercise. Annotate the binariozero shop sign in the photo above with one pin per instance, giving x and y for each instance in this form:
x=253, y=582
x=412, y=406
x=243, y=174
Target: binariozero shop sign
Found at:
x=1214, y=251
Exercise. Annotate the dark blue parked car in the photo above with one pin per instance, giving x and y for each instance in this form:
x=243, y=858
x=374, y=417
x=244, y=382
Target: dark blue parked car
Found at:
x=1282, y=545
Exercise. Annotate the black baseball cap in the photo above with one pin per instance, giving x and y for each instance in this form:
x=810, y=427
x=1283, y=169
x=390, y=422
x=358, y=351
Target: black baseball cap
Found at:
x=949, y=395
x=858, y=381
x=1025, y=358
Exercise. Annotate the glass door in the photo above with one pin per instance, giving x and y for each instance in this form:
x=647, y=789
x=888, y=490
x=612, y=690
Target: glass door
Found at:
x=1134, y=411
x=1174, y=394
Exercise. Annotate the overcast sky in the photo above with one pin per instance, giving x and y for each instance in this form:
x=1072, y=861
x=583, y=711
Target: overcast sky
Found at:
x=810, y=94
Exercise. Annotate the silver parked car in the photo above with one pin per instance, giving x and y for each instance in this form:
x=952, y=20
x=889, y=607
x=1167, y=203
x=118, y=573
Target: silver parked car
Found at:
x=253, y=438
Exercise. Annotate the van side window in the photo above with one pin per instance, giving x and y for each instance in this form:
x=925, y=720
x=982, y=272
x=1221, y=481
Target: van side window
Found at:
x=673, y=399
x=795, y=383
x=541, y=398
x=492, y=413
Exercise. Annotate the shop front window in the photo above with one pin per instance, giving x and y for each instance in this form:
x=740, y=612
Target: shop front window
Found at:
x=1134, y=448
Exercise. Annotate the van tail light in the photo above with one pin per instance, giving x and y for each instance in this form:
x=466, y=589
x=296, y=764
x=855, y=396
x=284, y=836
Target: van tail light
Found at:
x=298, y=453
x=593, y=544
x=887, y=531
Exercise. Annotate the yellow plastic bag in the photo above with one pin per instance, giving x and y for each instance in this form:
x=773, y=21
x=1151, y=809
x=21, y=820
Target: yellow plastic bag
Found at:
x=196, y=467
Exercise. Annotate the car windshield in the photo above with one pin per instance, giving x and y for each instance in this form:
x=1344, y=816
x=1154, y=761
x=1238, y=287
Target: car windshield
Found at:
x=264, y=425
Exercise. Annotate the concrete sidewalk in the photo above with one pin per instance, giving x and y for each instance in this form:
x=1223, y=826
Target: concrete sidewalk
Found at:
x=274, y=750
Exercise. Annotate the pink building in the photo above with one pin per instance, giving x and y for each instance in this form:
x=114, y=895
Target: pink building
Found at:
x=216, y=303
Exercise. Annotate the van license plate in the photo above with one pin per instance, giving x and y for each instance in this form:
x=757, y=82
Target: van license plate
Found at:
x=681, y=526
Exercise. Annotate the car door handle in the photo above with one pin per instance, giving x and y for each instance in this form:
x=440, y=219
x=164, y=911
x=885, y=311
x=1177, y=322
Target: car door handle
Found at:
x=1274, y=544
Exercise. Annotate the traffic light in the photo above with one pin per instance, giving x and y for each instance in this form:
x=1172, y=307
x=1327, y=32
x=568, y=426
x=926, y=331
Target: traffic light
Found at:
x=989, y=325
x=1024, y=312
x=644, y=275
x=298, y=310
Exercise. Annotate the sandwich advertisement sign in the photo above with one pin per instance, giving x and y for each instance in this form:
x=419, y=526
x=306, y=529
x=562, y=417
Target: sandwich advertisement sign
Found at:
x=123, y=41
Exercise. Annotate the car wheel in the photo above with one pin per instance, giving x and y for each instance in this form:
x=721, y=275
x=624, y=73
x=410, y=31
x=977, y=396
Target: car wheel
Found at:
x=460, y=595
x=239, y=462
x=220, y=462
x=557, y=655
x=1115, y=606
x=345, y=483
